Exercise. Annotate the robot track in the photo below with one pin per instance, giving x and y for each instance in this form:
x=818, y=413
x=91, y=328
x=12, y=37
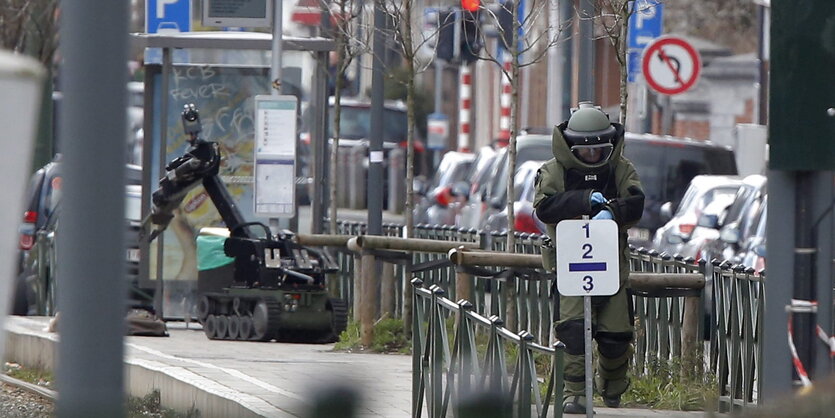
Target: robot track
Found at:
x=240, y=318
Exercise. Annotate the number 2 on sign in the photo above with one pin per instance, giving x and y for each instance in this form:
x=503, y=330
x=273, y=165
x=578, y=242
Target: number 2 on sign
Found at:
x=589, y=285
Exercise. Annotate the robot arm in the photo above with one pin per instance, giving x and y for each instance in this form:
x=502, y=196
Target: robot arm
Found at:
x=200, y=163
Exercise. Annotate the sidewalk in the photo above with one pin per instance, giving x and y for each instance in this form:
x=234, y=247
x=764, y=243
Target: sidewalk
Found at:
x=249, y=379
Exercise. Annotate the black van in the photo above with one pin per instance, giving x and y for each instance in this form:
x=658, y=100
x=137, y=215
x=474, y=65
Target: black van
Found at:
x=666, y=165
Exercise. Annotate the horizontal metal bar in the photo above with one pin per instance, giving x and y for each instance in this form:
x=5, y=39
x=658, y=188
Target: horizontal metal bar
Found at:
x=654, y=281
x=410, y=244
x=495, y=259
x=322, y=240
x=228, y=40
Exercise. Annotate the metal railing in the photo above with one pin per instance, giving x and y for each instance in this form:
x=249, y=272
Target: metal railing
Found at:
x=735, y=351
x=660, y=318
x=523, y=297
x=445, y=370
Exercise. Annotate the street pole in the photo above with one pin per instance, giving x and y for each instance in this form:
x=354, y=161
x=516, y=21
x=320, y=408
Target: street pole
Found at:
x=586, y=52
x=375, y=154
x=439, y=84
x=553, y=98
x=804, y=281
x=91, y=246
x=276, y=63
x=566, y=52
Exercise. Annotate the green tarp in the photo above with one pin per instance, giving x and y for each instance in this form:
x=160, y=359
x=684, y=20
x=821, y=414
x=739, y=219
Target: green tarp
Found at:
x=210, y=253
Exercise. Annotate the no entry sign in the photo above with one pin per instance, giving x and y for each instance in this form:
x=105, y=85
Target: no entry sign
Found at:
x=671, y=65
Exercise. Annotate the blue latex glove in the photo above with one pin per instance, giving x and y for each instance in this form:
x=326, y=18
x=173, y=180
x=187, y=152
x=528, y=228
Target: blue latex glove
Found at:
x=597, y=198
x=604, y=214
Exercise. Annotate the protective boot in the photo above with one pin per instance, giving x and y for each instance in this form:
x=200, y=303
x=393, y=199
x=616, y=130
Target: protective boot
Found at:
x=575, y=404
x=611, y=390
x=611, y=380
x=574, y=386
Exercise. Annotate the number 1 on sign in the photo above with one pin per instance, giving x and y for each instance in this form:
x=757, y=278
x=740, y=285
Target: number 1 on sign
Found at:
x=586, y=227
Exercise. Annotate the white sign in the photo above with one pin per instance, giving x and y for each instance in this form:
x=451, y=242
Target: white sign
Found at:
x=239, y=13
x=587, y=258
x=671, y=65
x=275, y=155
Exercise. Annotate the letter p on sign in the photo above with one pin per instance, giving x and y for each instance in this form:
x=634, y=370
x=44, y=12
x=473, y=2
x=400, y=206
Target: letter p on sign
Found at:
x=161, y=7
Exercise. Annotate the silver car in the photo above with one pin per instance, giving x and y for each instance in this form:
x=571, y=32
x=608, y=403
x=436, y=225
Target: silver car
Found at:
x=525, y=219
x=439, y=200
x=693, y=224
x=491, y=197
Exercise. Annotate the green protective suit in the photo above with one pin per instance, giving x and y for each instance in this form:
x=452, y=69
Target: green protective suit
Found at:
x=563, y=189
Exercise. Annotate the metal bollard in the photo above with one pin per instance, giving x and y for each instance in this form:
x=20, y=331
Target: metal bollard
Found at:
x=357, y=177
x=387, y=291
x=397, y=180
x=342, y=188
x=370, y=291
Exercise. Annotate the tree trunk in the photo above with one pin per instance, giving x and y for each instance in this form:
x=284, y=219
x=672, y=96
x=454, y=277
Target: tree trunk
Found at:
x=337, y=117
x=621, y=50
x=511, y=319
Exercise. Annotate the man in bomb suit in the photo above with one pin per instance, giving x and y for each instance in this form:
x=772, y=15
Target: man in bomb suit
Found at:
x=590, y=176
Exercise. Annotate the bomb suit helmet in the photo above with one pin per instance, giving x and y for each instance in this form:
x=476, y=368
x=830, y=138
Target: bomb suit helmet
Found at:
x=590, y=135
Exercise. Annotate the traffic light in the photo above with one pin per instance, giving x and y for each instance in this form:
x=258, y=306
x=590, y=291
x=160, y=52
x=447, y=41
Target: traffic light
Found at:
x=444, y=45
x=470, y=5
x=470, y=33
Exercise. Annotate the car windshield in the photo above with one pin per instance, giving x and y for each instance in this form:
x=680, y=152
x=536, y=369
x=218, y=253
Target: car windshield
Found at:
x=524, y=185
x=355, y=123
x=719, y=196
x=451, y=171
x=740, y=201
x=482, y=174
x=667, y=181
x=528, y=152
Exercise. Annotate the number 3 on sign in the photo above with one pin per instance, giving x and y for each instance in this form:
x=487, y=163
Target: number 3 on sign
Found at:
x=588, y=286
x=587, y=257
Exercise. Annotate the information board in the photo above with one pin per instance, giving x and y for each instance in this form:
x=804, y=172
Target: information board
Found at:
x=239, y=13
x=275, y=155
x=588, y=263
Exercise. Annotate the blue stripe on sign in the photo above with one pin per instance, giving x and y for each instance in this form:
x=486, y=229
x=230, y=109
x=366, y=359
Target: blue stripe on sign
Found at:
x=586, y=266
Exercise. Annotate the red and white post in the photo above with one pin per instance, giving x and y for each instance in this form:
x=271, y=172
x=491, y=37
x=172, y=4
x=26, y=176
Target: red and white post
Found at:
x=465, y=96
x=504, y=103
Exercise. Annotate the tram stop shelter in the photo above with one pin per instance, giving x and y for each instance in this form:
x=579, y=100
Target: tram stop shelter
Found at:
x=220, y=73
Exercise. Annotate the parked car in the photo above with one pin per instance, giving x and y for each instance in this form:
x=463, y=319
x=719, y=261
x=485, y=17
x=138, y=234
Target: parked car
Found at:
x=436, y=203
x=738, y=222
x=666, y=165
x=42, y=198
x=491, y=197
x=753, y=250
x=355, y=128
x=40, y=274
x=705, y=198
x=525, y=219
x=469, y=212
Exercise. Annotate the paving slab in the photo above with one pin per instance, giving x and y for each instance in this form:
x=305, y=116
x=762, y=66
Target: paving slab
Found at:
x=250, y=379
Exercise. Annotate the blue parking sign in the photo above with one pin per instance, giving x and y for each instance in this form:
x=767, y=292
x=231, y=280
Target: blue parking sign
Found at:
x=167, y=16
x=633, y=64
x=646, y=23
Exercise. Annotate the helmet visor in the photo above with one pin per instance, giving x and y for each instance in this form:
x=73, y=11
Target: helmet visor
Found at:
x=593, y=154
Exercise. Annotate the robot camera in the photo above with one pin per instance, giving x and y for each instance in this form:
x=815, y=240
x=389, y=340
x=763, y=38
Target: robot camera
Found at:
x=191, y=120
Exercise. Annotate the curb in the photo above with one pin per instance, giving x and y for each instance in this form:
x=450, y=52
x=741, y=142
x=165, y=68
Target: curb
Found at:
x=180, y=389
